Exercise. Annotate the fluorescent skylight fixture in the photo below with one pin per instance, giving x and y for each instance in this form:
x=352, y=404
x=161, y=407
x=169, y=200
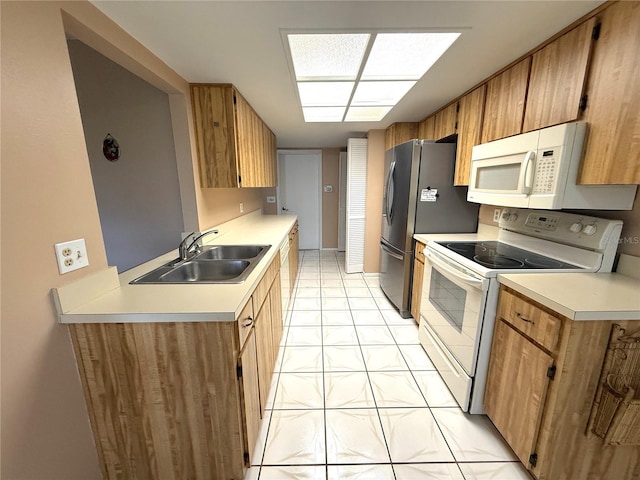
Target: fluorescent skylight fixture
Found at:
x=405, y=56
x=380, y=93
x=360, y=77
x=316, y=94
x=366, y=114
x=327, y=56
x=323, y=114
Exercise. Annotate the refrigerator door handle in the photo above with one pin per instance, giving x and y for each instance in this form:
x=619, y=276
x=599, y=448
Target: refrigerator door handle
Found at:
x=391, y=253
x=390, y=192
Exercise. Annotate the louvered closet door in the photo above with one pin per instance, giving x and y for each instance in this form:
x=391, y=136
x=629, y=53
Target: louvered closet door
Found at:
x=356, y=204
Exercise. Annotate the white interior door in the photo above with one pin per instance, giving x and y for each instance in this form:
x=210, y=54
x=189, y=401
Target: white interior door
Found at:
x=356, y=204
x=300, y=193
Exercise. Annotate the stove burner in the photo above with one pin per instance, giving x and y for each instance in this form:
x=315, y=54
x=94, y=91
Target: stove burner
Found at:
x=498, y=261
x=543, y=262
x=464, y=247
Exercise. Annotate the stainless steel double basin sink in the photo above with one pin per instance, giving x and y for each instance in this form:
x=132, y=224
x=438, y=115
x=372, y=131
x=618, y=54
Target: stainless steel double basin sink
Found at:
x=213, y=264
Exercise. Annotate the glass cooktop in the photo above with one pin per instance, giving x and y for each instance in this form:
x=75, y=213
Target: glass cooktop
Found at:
x=492, y=254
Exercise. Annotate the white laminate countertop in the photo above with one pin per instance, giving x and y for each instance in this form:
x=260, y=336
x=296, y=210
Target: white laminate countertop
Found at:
x=581, y=296
x=124, y=303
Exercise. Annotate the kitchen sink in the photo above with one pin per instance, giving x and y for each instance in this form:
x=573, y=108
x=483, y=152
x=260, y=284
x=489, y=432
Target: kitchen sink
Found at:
x=236, y=252
x=205, y=272
x=215, y=264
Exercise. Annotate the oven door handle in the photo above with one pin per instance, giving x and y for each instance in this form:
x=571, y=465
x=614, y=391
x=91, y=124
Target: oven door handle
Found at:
x=443, y=268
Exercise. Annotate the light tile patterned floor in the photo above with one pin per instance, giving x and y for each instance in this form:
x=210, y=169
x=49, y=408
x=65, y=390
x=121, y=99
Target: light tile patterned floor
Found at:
x=354, y=395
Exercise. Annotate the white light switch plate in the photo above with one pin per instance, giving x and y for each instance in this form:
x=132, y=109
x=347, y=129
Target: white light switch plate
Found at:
x=71, y=255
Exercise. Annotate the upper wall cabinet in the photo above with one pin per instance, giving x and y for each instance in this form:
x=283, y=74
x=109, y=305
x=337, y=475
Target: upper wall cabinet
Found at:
x=612, y=151
x=427, y=128
x=504, y=107
x=471, y=110
x=235, y=147
x=398, y=133
x=446, y=121
x=558, y=76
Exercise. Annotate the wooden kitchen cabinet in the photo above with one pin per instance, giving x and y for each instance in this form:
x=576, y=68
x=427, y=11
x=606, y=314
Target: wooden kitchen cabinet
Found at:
x=418, y=274
x=505, y=102
x=235, y=147
x=177, y=400
x=470, y=115
x=544, y=373
x=557, y=80
x=398, y=133
x=446, y=121
x=612, y=150
x=427, y=128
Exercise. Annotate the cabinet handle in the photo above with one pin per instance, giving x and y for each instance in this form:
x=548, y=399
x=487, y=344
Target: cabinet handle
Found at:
x=519, y=315
x=248, y=322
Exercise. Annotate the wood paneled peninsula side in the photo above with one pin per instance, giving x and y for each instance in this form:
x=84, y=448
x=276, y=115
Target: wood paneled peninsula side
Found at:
x=176, y=377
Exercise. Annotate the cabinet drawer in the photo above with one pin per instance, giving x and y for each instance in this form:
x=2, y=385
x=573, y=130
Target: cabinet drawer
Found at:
x=419, y=255
x=245, y=321
x=529, y=319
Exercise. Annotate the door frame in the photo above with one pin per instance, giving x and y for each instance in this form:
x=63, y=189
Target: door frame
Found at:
x=294, y=151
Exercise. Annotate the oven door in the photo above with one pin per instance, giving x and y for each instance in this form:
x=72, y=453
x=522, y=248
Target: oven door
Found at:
x=452, y=306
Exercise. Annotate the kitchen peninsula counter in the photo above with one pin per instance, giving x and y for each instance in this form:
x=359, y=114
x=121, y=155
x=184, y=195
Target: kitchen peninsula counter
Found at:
x=106, y=297
x=581, y=296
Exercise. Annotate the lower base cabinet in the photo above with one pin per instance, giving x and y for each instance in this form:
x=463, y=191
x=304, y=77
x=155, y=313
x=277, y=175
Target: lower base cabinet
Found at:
x=545, y=386
x=418, y=274
x=180, y=400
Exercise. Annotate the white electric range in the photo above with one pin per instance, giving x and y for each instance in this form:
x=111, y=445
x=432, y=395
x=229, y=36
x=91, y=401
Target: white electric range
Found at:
x=460, y=289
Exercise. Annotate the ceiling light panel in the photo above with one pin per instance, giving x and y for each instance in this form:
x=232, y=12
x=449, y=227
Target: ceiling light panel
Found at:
x=315, y=94
x=366, y=114
x=380, y=93
x=327, y=56
x=405, y=56
x=323, y=114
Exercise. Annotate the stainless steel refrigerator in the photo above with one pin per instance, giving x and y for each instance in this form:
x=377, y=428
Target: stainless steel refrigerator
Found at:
x=419, y=197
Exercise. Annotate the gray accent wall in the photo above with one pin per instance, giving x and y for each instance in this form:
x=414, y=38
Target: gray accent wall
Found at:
x=138, y=196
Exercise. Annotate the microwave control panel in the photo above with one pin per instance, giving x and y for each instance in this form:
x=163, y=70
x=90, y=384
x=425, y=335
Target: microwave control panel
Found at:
x=546, y=167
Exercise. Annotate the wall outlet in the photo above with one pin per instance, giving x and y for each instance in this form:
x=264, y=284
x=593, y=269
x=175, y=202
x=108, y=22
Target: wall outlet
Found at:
x=241, y=207
x=496, y=215
x=71, y=255
x=271, y=199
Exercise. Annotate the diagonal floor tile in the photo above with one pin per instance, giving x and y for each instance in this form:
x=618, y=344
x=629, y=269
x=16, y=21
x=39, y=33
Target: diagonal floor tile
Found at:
x=437, y=471
x=396, y=389
x=360, y=472
x=296, y=437
x=299, y=391
x=355, y=436
x=348, y=390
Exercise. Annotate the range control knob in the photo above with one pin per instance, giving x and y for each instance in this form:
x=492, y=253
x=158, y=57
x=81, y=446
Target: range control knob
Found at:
x=505, y=215
x=576, y=227
x=513, y=217
x=590, y=229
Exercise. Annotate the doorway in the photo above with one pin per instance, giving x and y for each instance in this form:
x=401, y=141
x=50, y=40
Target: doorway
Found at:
x=300, y=193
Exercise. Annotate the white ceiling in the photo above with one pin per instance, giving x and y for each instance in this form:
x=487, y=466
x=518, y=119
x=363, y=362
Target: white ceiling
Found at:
x=241, y=42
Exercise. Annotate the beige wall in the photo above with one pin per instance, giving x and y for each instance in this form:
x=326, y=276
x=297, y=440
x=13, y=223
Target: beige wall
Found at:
x=330, y=204
x=375, y=185
x=48, y=197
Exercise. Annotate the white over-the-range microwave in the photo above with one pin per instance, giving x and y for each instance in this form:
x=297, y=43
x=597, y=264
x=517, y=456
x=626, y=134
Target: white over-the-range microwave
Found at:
x=538, y=170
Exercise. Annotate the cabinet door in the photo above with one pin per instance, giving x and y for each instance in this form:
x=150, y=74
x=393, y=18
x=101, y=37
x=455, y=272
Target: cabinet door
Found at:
x=416, y=290
x=399, y=133
x=612, y=151
x=214, y=123
x=470, y=116
x=427, y=128
x=558, y=75
x=504, y=107
x=248, y=169
x=446, y=121
x=516, y=388
x=294, y=255
x=275, y=297
x=250, y=392
x=264, y=349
